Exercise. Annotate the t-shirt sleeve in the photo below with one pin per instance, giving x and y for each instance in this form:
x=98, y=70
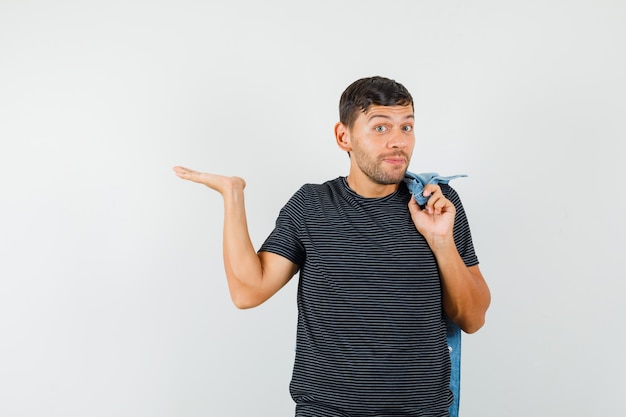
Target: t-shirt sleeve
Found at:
x=285, y=239
x=462, y=233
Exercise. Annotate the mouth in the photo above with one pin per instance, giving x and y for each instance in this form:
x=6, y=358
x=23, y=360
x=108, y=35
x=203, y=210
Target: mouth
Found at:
x=395, y=159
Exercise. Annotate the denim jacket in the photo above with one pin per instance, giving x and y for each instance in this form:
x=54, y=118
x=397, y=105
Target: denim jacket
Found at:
x=416, y=183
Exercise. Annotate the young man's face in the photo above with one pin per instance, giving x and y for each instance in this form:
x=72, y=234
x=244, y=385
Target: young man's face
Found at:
x=382, y=141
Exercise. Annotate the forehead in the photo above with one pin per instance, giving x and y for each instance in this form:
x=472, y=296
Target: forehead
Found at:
x=401, y=113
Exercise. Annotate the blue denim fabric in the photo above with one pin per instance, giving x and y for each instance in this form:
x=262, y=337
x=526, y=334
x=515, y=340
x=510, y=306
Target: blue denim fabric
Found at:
x=416, y=183
x=454, y=345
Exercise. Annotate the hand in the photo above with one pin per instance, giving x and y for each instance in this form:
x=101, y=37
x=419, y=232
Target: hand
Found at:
x=219, y=183
x=436, y=221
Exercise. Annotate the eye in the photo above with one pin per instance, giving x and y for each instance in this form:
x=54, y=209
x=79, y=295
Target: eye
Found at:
x=407, y=128
x=380, y=129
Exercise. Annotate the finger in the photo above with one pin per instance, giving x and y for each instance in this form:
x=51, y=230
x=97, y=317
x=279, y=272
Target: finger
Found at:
x=431, y=189
x=439, y=204
x=181, y=171
x=443, y=205
x=187, y=174
x=433, y=205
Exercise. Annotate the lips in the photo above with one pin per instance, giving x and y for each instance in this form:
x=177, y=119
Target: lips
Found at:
x=395, y=159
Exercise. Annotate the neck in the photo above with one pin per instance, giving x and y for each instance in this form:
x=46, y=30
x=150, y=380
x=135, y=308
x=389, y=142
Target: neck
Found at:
x=367, y=188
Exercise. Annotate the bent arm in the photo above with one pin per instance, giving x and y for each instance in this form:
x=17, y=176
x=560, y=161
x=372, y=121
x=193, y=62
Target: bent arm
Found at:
x=466, y=296
x=252, y=277
x=465, y=293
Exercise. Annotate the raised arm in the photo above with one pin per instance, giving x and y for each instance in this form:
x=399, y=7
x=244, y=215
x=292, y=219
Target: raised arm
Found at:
x=466, y=296
x=252, y=278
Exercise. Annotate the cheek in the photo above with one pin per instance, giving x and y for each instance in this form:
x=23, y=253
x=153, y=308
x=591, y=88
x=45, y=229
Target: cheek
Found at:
x=410, y=144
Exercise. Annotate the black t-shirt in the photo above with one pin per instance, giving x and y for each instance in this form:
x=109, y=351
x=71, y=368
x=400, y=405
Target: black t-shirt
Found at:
x=371, y=335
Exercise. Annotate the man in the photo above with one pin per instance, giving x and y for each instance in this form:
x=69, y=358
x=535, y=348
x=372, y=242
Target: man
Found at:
x=378, y=273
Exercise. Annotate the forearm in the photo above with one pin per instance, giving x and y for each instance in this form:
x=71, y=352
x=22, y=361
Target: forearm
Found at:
x=465, y=293
x=252, y=278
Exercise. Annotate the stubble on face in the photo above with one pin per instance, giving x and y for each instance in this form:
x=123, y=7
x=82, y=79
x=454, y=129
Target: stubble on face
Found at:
x=377, y=170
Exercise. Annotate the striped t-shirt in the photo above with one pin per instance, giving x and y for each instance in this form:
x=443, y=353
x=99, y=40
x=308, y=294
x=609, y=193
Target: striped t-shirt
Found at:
x=371, y=337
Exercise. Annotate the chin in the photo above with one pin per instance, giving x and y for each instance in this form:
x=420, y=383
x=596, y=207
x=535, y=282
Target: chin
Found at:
x=389, y=180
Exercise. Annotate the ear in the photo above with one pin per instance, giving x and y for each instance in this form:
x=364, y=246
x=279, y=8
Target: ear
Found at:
x=343, y=137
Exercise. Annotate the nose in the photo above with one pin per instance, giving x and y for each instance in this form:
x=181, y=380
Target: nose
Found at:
x=397, y=141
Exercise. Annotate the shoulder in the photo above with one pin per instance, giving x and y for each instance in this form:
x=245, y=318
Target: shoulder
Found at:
x=450, y=193
x=319, y=191
x=310, y=195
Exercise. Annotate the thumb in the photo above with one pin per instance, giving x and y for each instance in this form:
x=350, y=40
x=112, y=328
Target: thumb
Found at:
x=414, y=208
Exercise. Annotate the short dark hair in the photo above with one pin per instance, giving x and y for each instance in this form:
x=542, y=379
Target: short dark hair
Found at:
x=366, y=92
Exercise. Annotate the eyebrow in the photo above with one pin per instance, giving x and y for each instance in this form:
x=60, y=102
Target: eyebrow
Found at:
x=384, y=116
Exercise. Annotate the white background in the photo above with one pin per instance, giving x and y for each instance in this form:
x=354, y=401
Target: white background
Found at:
x=113, y=299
